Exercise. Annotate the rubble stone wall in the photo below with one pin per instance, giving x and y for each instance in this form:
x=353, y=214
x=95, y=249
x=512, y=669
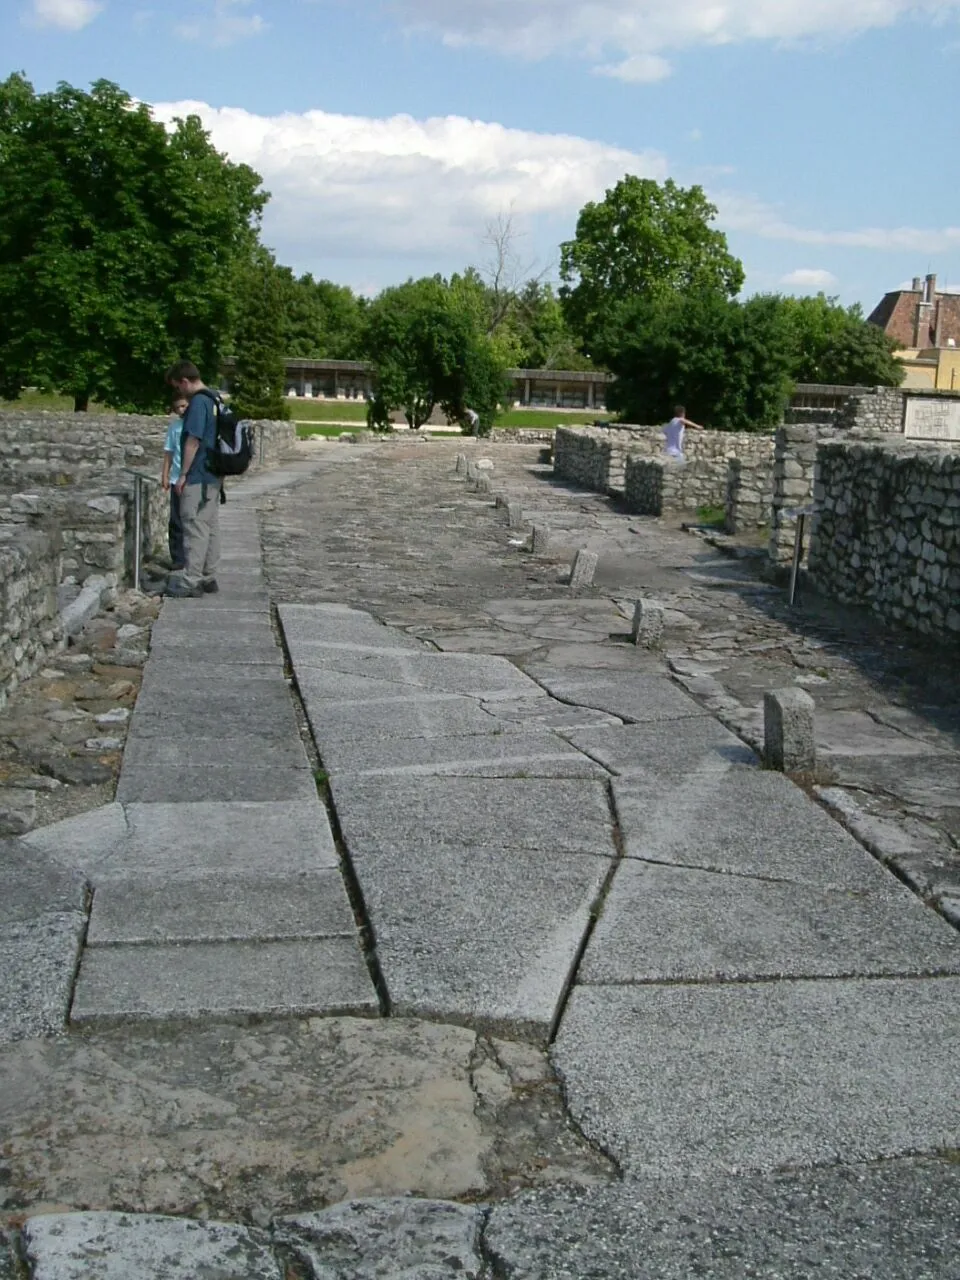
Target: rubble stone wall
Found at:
x=794, y=466
x=749, y=498
x=888, y=531
x=30, y=628
x=881, y=409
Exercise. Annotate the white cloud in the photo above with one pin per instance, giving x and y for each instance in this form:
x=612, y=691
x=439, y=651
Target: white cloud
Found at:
x=754, y=217
x=638, y=31
x=813, y=278
x=400, y=188
x=223, y=24
x=68, y=15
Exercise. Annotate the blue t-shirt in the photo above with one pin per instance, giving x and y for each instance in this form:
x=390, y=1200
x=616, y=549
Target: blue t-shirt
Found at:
x=200, y=421
x=174, y=446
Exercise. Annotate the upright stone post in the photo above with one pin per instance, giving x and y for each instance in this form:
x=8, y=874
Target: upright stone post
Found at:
x=471, y=471
x=483, y=483
x=583, y=568
x=514, y=515
x=461, y=464
x=501, y=501
x=539, y=539
x=788, y=736
x=647, y=629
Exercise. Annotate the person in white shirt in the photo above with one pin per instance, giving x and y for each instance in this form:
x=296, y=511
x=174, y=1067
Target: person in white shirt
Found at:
x=674, y=432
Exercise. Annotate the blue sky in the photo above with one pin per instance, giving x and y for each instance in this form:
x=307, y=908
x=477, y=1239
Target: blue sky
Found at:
x=392, y=132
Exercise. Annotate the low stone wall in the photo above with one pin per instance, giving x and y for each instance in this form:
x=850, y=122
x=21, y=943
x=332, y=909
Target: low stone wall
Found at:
x=658, y=485
x=597, y=459
x=794, y=466
x=30, y=628
x=880, y=409
x=888, y=531
x=749, y=498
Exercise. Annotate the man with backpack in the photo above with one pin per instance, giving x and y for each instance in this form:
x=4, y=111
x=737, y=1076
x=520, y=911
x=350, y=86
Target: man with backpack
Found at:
x=198, y=487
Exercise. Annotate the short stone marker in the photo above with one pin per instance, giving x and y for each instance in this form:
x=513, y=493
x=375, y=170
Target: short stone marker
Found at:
x=483, y=483
x=514, y=515
x=539, y=539
x=647, y=629
x=501, y=500
x=471, y=471
x=583, y=568
x=461, y=464
x=789, y=743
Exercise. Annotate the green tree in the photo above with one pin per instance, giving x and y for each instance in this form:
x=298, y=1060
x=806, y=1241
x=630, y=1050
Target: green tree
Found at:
x=727, y=362
x=119, y=244
x=322, y=320
x=644, y=239
x=544, y=337
x=429, y=350
x=836, y=345
x=260, y=370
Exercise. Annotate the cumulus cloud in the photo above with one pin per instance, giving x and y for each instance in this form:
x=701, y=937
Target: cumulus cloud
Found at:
x=754, y=217
x=637, y=32
x=225, y=22
x=67, y=15
x=351, y=186
x=813, y=278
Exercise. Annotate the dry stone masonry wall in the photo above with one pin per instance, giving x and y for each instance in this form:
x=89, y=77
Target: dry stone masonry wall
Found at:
x=888, y=532
x=749, y=497
x=30, y=628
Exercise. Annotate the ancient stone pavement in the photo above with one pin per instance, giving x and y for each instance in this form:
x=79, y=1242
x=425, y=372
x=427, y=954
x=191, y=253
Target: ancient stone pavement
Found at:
x=438, y=794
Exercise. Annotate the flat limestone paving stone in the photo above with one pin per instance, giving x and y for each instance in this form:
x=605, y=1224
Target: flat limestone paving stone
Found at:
x=38, y=960
x=246, y=622
x=637, y=698
x=695, y=1079
x=303, y=624
x=663, y=924
x=219, y=702
x=296, y=978
x=279, y=751
x=346, y=725
x=128, y=1246
x=165, y=671
x=543, y=715
x=473, y=675
x=700, y=745
x=81, y=842
x=260, y=648
x=224, y=908
x=404, y=1237
x=211, y=837
x=472, y=755
x=885, y=1221
x=410, y=815
x=35, y=884
x=744, y=821
x=486, y=934
x=154, y=784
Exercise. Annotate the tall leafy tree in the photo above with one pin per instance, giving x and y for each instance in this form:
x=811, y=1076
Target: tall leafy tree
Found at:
x=645, y=239
x=728, y=363
x=260, y=368
x=119, y=244
x=835, y=345
x=429, y=350
x=322, y=320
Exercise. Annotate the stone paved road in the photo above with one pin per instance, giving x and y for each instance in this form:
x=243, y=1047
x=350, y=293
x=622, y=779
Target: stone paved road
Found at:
x=544, y=835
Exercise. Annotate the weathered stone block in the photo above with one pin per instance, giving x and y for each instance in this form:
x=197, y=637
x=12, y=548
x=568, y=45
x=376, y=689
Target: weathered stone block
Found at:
x=583, y=568
x=788, y=730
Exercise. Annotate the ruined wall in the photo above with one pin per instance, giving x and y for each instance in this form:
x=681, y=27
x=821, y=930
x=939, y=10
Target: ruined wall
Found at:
x=749, y=497
x=794, y=466
x=30, y=629
x=659, y=485
x=888, y=531
x=881, y=409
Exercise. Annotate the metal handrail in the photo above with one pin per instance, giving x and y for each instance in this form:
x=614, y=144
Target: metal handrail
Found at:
x=800, y=515
x=139, y=479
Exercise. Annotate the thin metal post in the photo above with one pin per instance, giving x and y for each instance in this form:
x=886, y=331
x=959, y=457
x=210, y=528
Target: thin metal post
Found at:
x=137, y=526
x=797, y=556
x=260, y=442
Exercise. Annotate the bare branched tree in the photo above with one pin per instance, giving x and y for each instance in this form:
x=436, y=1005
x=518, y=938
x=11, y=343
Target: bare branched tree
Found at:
x=506, y=269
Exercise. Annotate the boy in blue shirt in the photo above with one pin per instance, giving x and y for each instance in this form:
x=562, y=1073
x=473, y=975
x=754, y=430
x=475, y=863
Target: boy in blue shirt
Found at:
x=172, y=454
x=198, y=488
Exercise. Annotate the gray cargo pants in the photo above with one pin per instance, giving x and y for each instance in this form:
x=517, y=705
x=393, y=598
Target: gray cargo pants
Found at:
x=200, y=515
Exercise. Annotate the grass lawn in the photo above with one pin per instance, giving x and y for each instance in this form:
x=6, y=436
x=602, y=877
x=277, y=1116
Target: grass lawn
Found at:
x=328, y=410
x=55, y=404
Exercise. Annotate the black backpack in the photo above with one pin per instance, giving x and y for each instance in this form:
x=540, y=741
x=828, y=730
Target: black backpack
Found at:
x=233, y=442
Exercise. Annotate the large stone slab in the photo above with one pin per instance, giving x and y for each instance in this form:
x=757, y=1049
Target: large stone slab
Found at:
x=636, y=698
x=544, y=714
x=343, y=726
x=224, y=908
x=165, y=671
x=483, y=934
x=119, y=1246
x=885, y=1221
x=210, y=838
x=304, y=624
x=38, y=960
x=183, y=783
x=491, y=755
x=81, y=842
x=204, y=646
x=567, y=815
x=216, y=704
x=737, y=1077
x=390, y=1236
x=697, y=745
x=662, y=924
x=473, y=675
x=745, y=821
x=34, y=884
x=295, y=978
x=272, y=752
